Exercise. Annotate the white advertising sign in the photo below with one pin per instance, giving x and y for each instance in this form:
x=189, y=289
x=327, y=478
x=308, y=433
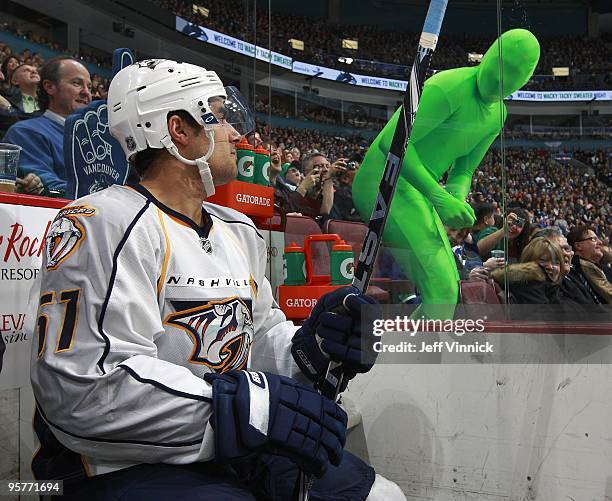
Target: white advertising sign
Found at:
x=231, y=43
x=248, y=49
x=566, y=95
x=22, y=233
x=349, y=78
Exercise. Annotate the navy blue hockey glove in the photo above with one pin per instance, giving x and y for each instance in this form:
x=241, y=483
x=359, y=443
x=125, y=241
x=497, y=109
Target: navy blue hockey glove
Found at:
x=257, y=411
x=333, y=330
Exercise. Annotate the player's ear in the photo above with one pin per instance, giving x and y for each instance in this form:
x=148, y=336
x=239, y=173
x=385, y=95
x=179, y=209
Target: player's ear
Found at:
x=180, y=131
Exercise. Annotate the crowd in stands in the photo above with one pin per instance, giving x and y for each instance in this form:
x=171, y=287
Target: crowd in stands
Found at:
x=322, y=44
x=559, y=216
x=22, y=31
x=11, y=95
x=34, y=104
x=552, y=192
x=555, y=239
x=321, y=114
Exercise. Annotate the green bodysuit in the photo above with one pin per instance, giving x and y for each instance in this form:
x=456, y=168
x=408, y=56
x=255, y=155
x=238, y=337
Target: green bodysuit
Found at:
x=459, y=116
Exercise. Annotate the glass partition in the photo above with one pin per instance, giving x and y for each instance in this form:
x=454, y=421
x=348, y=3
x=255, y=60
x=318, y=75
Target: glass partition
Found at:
x=501, y=217
x=553, y=159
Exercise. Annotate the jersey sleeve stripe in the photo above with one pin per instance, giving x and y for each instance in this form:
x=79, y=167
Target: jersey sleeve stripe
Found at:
x=163, y=387
x=111, y=283
x=117, y=440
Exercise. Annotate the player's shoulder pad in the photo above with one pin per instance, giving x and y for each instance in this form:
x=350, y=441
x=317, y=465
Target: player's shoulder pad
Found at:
x=105, y=218
x=116, y=205
x=237, y=221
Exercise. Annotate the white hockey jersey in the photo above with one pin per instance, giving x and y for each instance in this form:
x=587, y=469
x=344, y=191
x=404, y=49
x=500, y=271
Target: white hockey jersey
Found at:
x=136, y=304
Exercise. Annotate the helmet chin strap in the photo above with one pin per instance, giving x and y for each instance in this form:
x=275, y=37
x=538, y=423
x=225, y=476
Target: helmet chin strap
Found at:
x=201, y=163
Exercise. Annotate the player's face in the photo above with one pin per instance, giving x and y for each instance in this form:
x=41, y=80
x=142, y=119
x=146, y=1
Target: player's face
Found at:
x=223, y=160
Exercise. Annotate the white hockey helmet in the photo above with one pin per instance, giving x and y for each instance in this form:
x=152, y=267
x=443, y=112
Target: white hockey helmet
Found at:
x=141, y=95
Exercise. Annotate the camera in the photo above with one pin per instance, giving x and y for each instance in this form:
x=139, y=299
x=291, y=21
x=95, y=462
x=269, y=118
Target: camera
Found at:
x=351, y=165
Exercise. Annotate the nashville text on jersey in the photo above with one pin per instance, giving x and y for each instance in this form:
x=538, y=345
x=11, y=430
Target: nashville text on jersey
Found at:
x=185, y=281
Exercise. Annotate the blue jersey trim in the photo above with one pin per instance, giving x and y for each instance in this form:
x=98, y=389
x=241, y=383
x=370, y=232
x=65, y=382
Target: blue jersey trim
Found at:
x=239, y=222
x=163, y=387
x=202, y=231
x=111, y=283
x=118, y=440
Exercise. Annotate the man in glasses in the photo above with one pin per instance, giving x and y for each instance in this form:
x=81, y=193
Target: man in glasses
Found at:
x=588, y=255
x=163, y=367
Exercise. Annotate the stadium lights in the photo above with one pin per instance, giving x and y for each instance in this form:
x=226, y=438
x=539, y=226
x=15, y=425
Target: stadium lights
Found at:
x=474, y=57
x=296, y=44
x=350, y=44
x=345, y=60
x=561, y=71
x=198, y=9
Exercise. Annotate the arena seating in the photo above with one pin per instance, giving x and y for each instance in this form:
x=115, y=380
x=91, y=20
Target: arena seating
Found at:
x=383, y=51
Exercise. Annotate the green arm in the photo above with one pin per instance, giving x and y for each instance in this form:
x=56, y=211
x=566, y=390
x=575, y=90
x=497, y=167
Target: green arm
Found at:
x=453, y=212
x=459, y=180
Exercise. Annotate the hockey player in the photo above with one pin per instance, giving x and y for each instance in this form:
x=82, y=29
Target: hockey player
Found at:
x=163, y=367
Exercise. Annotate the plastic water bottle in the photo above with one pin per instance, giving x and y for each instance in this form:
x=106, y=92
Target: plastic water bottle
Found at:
x=294, y=266
x=342, y=264
x=246, y=161
x=262, y=166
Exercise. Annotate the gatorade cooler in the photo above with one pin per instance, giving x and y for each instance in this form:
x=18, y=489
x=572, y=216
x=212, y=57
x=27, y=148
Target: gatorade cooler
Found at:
x=245, y=154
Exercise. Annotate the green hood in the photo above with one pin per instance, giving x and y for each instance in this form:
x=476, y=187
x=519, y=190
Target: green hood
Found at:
x=520, y=52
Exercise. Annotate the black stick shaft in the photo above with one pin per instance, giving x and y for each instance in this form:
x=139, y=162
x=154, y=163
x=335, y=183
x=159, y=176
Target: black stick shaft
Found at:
x=333, y=381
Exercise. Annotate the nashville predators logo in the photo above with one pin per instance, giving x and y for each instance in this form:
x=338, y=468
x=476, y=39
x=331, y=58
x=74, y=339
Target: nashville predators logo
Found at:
x=222, y=332
x=65, y=234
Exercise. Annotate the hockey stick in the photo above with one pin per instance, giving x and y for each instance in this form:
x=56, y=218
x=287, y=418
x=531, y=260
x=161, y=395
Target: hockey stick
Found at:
x=333, y=381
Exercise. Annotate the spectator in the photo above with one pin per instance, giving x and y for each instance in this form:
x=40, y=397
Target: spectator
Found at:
x=293, y=175
x=343, y=207
x=535, y=280
x=7, y=68
x=65, y=86
x=295, y=153
x=485, y=221
x=314, y=196
x=488, y=237
x=588, y=254
x=573, y=290
x=25, y=79
x=282, y=189
x=469, y=264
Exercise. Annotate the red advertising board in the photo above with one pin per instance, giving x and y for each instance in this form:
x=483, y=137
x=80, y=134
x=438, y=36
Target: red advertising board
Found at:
x=250, y=199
